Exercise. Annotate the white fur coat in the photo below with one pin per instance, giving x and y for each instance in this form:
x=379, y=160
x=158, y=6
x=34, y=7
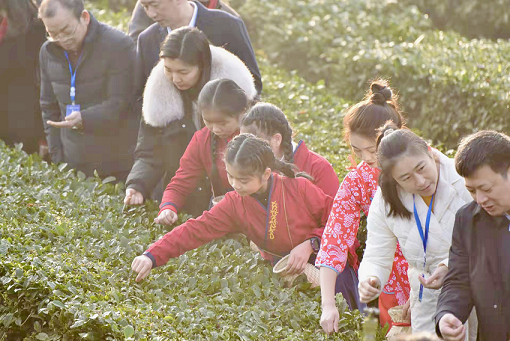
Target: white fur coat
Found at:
x=162, y=102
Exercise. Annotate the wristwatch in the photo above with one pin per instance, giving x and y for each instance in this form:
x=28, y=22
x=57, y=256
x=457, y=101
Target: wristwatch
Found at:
x=316, y=244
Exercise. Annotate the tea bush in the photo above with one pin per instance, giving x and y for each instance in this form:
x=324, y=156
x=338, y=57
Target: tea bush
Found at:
x=65, y=255
x=450, y=85
x=471, y=18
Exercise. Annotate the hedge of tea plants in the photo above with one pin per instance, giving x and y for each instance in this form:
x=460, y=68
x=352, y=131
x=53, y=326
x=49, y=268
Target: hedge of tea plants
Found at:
x=450, y=85
x=66, y=246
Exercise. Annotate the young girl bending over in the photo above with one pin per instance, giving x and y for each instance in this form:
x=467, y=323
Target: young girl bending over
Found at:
x=269, y=123
x=222, y=104
x=281, y=213
x=337, y=257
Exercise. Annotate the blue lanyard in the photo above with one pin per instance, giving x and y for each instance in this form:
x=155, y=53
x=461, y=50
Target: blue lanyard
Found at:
x=72, y=91
x=424, y=235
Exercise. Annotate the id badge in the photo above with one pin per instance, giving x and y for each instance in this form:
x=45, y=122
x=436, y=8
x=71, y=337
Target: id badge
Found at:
x=72, y=108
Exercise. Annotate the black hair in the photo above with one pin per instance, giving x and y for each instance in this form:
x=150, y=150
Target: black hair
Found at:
x=189, y=45
x=485, y=147
x=269, y=120
x=20, y=15
x=225, y=96
x=379, y=106
x=254, y=155
x=48, y=8
x=392, y=144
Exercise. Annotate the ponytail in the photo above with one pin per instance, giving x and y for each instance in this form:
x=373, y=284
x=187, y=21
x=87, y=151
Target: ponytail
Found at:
x=254, y=155
x=269, y=120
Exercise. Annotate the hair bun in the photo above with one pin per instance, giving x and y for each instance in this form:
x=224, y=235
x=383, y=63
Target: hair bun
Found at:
x=380, y=93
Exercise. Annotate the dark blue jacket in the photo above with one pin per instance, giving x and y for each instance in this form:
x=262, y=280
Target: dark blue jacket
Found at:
x=221, y=28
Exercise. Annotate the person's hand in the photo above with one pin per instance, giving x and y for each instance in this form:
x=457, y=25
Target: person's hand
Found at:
x=133, y=197
x=298, y=258
x=72, y=121
x=436, y=280
x=330, y=318
x=141, y=265
x=451, y=328
x=166, y=217
x=369, y=289
x=406, y=311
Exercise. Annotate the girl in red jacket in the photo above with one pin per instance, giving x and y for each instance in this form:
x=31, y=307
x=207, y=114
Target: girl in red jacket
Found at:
x=281, y=214
x=269, y=123
x=222, y=104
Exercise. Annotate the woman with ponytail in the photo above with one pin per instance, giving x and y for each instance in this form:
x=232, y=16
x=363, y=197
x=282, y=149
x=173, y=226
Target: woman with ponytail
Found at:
x=268, y=122
x=415, y=206
x=221, y=104
x=170, y=116
x=337, y=257
x=283, y=214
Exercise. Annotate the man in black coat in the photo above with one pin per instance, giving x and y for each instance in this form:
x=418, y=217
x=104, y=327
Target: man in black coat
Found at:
x=479, y=266
x=221, y=28
x=140, y=21
x=86, y=90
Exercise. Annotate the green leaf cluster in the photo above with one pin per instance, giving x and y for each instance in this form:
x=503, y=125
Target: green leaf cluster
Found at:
x=449, y=85
x=66, y=246
x=471, y=18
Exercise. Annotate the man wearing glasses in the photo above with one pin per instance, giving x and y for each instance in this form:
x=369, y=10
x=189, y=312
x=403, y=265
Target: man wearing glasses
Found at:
x=86, y=90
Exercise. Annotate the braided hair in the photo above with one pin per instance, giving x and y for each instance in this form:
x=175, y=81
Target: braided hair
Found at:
x=189, y=45
x=254, y=155
x=267, y=119
x=379, y=106
x=226, y=97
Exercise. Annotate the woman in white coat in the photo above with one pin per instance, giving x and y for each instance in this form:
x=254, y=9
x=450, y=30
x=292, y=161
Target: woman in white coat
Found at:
x=419, y=194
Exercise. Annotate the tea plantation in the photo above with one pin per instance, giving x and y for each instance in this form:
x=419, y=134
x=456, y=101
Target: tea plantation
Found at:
x=66, y=250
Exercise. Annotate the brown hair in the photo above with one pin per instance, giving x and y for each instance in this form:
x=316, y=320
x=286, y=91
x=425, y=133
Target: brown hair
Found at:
x=392, y=144
x=379, y=106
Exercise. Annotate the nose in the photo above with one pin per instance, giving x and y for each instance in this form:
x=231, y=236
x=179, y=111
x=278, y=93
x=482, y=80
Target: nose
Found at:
x=420, y=181
x=151, y=13
x=216, y=130
x=481, y=198
x=176, y=79
x=368, y=157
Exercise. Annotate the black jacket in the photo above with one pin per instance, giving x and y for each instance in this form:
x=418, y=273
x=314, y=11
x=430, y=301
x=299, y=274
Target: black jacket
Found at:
x=20, y=115
x=222, y=29
x=104, y=89
x=140, y=20
x=479, y=273
x=165, y=131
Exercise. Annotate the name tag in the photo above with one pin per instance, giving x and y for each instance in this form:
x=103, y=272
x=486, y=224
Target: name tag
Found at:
x=72, y=108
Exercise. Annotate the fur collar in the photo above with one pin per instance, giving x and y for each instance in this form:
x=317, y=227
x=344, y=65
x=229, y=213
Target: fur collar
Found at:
x=162, y=102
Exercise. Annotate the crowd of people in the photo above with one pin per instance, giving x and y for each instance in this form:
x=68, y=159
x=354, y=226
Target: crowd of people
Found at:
x=174, y=109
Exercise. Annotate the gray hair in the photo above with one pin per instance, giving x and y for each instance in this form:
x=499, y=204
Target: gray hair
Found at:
x=48, y=8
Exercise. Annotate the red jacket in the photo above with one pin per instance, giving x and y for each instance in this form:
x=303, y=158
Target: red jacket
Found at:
x=297, y=202
x=318, y=167
x=194, y=164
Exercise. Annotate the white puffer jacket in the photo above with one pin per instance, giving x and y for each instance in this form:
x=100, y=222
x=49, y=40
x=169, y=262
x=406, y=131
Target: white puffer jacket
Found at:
x=384, y=231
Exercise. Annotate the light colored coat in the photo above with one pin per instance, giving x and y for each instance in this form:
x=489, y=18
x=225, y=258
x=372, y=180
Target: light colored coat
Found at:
x=384, y=231
x=162, y=102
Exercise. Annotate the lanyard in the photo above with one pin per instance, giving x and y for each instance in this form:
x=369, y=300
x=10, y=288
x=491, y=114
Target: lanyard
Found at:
x=72, y=91
x=424, y=235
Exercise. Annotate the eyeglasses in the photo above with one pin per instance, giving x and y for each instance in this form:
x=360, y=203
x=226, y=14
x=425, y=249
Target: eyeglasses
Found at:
x=63, y=38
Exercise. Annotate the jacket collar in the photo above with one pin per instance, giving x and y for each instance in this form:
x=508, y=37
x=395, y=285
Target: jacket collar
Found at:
x=201, y=14
x=480, y=213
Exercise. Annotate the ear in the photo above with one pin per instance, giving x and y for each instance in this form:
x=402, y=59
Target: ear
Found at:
x=85, y=17
x=266, y=174
x=276, y=139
